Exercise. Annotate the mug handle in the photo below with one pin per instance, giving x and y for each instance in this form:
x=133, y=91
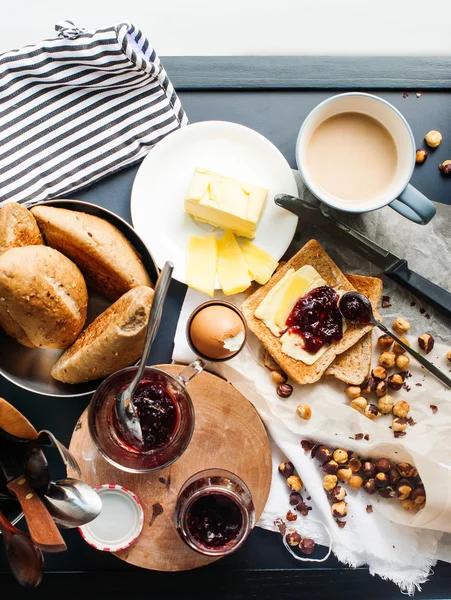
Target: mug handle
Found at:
x=190, y=372
x=414, y=205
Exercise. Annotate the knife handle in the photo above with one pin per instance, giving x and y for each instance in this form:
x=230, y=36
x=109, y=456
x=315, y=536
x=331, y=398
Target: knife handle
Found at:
x=420, y=287
x=43, y=531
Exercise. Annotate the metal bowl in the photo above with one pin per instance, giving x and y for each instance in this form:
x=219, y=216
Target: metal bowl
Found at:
x=29, y=368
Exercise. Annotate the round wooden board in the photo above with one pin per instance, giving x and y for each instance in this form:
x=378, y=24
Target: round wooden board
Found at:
x=228, y=434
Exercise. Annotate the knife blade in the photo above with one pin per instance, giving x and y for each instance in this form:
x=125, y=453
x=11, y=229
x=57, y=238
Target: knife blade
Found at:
x=391, y=265
x=43, y=530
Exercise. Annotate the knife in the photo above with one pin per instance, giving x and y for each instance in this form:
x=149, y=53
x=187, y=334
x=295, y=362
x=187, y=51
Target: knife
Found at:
x=43, y=530
x=392, y=266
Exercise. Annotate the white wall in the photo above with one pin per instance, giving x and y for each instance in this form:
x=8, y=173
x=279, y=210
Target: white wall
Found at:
x=222, y=27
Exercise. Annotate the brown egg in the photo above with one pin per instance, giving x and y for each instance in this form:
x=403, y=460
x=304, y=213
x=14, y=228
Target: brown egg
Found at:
x=212, y=327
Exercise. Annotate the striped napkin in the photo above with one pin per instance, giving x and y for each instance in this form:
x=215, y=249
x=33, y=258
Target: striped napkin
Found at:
x=79, y=107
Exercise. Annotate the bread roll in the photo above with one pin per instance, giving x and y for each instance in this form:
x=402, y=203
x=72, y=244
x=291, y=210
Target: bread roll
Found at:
x=113, y=341
x=18, y=227
x=103, y=254
x=43, y=297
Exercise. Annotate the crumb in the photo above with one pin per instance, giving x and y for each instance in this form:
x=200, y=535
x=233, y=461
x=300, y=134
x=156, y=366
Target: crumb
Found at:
x=405, y=96
x=419, y=384
x=427, y=315
x=434, y=408
x=307, y=445
x=340, y=524
x=281, y=526
x=406, y=387
x=418, y=94
x=412, y=303
x=411, y=422
x=309, y=497
x=399, y=434
x=422, y=310
x=358, y=436
x=366, y=436
x=386, y=302
x=369, y=508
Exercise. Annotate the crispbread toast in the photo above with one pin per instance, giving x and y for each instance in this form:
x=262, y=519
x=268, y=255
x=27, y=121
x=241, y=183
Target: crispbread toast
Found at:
x=311, y=254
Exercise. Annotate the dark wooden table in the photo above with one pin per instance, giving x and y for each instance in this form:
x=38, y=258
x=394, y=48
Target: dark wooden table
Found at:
x=272, y=96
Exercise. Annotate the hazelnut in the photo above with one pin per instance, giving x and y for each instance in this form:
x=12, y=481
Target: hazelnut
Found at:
x=278, y=377
x=418, y=495
x=338, y=493
x=393, y=475
x=401, y=409
x=330, y=467
x=369, y=386
x=396, y=381
x=379, y=373
x=290, y=516
x=293, y=538
x=381, y=388
x=371, y=412
x=399, y=424
x=355, y=465
x=295, y=498
x=402, y=362
x=448, y=355
x=294, y=482
x=284, y=390
x=383, y=465
x=340, y=455
x=426, y=342
x=304, y=412
x=406, y=470
x=387, y=492
x=329, y=482
x=385, y=404
x=445, y=167
x=286, y=469
x=307, y=546
x=404, y=489
x=384, y=342
x=359, y=404
x=344, y=474
x=381, y=479
x=421, y=506
x=368, y=469
x=401, y=325
x=353, y=391
x=323, y=453
x=398, y=349
x=370, y=486
x=408, y=504
x=339, y=509
x=355, y=482
x=420, y=156
x=387, y=359
x=433, y=138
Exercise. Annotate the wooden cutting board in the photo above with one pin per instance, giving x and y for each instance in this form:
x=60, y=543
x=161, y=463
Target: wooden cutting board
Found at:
x=228, y=434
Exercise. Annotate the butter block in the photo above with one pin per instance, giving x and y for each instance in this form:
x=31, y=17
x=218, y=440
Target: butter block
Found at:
x=225, y=202
x=233, y=273
x=201, y=263
x=261, y=265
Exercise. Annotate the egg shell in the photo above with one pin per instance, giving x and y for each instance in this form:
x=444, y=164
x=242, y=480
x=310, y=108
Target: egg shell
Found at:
x=213, y=325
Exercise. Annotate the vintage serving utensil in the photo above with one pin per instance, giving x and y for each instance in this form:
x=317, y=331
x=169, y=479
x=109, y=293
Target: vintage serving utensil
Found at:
x=366, y=305
x=392, y=266
x=126, y=413
x=72, y=503
x=24, y=557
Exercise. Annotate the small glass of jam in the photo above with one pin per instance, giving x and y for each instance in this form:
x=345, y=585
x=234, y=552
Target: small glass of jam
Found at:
x=214, y=512
x=164, y=408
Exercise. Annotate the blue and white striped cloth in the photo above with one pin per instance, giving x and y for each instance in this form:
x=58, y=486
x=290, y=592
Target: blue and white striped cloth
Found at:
x=79, y=107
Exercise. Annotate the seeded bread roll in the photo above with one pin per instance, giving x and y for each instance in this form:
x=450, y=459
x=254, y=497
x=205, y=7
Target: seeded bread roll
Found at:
x=43, y=297
x=113, y=341
x=18, y=227
x=103, y=254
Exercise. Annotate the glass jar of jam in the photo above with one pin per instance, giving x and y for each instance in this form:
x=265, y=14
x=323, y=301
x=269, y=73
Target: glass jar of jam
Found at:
x=214, y=512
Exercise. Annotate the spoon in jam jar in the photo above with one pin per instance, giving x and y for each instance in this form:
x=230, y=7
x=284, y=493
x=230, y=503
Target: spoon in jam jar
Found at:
x=356, y=308
x=127, y=417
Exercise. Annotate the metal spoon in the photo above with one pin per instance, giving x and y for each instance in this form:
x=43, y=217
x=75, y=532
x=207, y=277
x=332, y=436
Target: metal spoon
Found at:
x=72, y=503
x=24, y=557
x=126, y=412
x=366, y=307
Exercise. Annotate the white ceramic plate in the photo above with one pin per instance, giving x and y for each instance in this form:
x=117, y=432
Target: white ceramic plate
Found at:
x=229, y=149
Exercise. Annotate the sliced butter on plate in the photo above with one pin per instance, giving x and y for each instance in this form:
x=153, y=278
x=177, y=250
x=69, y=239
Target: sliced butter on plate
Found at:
x=261, y=265
x=233, y=273
x=201, y=263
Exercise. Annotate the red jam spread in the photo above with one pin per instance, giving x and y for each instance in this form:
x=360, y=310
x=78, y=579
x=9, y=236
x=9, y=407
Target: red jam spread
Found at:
x=214, y=520
x=354, y=309
x=317, y=319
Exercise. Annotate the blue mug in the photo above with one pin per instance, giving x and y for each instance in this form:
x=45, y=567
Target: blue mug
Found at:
x=399, y=195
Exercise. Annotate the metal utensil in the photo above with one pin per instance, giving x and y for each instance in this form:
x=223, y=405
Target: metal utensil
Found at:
x=24, y=557
x=392, y=266
x=72, y=503
x=367, y=304
x=126, y=413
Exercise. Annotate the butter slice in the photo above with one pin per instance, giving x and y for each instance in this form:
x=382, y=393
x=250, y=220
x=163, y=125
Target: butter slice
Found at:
x=225, y=202
x=233, y=273
x=201, y=263
x=292, y=345
x=261, y=265
x=267, y=308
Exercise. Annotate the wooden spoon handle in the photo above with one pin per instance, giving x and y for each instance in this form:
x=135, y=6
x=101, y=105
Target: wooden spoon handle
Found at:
x=43, y=530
